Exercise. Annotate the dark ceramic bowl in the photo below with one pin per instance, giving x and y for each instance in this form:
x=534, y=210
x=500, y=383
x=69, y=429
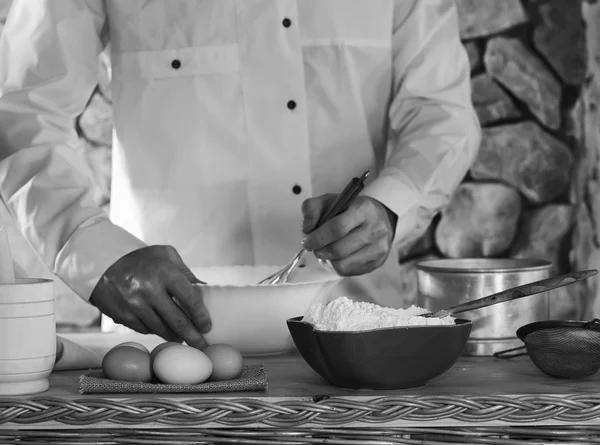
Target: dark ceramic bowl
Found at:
x=389, y=358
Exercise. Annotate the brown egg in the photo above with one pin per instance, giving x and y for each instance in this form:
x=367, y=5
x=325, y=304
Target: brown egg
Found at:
x=134, y=344
x=127, y=363
x=227, y=361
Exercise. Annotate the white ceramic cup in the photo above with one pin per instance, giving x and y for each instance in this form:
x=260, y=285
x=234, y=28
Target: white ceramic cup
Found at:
x=27, y=335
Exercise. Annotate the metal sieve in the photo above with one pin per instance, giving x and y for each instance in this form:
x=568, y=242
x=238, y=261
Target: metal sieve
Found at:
x=563, y=349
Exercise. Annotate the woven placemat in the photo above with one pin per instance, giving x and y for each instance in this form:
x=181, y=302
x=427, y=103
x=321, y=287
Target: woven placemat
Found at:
x=252, y=378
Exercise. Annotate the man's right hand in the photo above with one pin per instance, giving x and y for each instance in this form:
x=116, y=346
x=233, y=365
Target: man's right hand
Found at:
x=138, y=291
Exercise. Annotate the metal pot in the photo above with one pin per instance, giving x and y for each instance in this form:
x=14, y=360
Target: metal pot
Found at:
x=448, y=282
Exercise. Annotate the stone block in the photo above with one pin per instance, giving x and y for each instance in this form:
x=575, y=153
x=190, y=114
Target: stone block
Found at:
x=480, y=221
x=491, y=102
x=526, y=157
x=559, y=37
x=512, y=64
x=541, y=232
x=478, y=18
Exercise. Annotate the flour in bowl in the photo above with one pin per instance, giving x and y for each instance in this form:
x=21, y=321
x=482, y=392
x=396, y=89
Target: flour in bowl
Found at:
x=343, y=314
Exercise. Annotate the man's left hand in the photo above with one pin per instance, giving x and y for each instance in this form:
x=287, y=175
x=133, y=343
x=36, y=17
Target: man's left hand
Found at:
x=357, y=241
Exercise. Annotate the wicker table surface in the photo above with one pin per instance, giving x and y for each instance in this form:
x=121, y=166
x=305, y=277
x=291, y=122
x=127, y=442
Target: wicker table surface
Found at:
x=479, y=400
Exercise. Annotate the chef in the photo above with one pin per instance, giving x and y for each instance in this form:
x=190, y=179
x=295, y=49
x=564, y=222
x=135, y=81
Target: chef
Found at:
x=235, y=124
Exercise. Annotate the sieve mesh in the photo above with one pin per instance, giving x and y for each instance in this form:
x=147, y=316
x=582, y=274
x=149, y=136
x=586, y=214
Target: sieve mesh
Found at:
x=564, y=349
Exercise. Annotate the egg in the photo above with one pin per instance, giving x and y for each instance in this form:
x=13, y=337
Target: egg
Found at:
x=127, y=363
x=182, y=365
x=134, y=344
x=160, y=347
x=227, y=361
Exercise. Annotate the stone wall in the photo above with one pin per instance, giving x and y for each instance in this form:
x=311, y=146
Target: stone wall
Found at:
x=532, y=189
x=521, y=197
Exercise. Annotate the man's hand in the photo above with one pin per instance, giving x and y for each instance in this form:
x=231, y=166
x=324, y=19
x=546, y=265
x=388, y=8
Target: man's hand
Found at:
x=138, y=291
x=356, y=241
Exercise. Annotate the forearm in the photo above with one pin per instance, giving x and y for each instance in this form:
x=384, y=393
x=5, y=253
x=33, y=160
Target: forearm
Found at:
x=434, y=131
x=51, y=202
x=48, y=63
x=423, y=172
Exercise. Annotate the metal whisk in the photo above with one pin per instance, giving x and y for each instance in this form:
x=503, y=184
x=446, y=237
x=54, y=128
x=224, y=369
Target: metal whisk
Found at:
x=338, y=206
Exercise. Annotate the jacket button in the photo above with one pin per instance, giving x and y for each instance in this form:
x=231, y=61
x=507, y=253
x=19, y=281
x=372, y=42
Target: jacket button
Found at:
x=291, y=104
x=297, y=189
x=286, y=22
x=175, y=64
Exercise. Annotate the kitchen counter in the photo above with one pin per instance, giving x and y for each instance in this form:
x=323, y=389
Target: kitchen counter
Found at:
x=479, y=399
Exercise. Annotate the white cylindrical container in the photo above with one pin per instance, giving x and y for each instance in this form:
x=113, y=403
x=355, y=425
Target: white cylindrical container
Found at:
x=27, y=335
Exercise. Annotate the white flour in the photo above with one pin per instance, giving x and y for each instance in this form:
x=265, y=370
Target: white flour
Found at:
x=343, y=314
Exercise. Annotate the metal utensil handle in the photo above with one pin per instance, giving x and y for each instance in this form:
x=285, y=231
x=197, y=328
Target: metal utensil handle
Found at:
x=293, y=265
x=511, y=353
x=592, y=322
x=351, y=190
x=519, y=292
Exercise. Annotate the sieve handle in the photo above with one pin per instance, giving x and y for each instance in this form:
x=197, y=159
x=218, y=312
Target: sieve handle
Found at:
x=514, y=293
x=511, y=353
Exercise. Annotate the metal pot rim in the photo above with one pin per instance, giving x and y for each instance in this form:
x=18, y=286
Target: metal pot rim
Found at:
x=483, y=265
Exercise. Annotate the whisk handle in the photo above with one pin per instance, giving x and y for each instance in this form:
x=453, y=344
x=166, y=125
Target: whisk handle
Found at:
x=343, y=199
x=515, y=293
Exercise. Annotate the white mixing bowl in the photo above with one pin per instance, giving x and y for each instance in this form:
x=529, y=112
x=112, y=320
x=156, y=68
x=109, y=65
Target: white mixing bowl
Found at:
x=252, y=317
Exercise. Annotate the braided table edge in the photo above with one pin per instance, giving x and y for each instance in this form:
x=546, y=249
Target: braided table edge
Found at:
x=320, y=411
x=505, y=435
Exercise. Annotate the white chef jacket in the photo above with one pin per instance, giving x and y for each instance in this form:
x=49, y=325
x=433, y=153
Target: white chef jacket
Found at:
x=227, y=115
